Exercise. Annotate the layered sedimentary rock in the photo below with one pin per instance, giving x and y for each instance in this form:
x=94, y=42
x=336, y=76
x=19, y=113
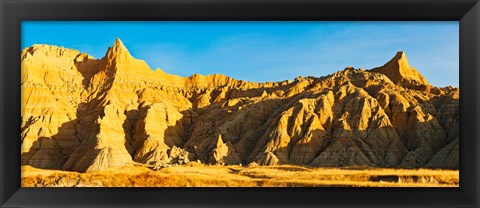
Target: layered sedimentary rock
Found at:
x=85, y=114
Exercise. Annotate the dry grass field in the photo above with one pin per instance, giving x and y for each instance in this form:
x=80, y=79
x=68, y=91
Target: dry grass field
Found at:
x=198, y=175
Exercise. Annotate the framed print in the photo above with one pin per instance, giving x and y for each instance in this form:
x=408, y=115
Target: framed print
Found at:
x=239, y=103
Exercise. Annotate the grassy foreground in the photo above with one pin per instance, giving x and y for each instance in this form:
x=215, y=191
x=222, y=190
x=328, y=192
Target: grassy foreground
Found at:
x=198, y=175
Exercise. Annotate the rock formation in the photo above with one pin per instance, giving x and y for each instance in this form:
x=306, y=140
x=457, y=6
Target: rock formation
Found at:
x=85, y=114
x=401, y=73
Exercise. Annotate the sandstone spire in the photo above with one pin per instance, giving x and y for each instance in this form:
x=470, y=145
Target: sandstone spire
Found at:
x=119, y=59
x=118, y=52
x=400, y=72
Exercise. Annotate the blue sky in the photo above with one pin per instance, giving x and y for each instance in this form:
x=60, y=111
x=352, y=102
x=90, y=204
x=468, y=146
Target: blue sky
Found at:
x=263, y=51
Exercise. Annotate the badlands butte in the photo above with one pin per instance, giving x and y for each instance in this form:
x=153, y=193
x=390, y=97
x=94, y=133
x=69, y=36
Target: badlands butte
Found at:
x=86, y=115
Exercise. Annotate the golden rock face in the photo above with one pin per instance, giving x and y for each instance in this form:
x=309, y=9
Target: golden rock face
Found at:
x=85, y=114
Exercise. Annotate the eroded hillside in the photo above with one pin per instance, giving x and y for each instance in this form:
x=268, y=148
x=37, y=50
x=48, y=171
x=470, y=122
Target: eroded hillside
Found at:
x=85, y=114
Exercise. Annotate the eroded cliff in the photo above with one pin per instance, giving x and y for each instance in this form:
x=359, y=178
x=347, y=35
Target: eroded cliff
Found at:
x=85, y=114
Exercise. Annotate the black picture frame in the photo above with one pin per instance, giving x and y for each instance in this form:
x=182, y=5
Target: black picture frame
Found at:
x=467, y=12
